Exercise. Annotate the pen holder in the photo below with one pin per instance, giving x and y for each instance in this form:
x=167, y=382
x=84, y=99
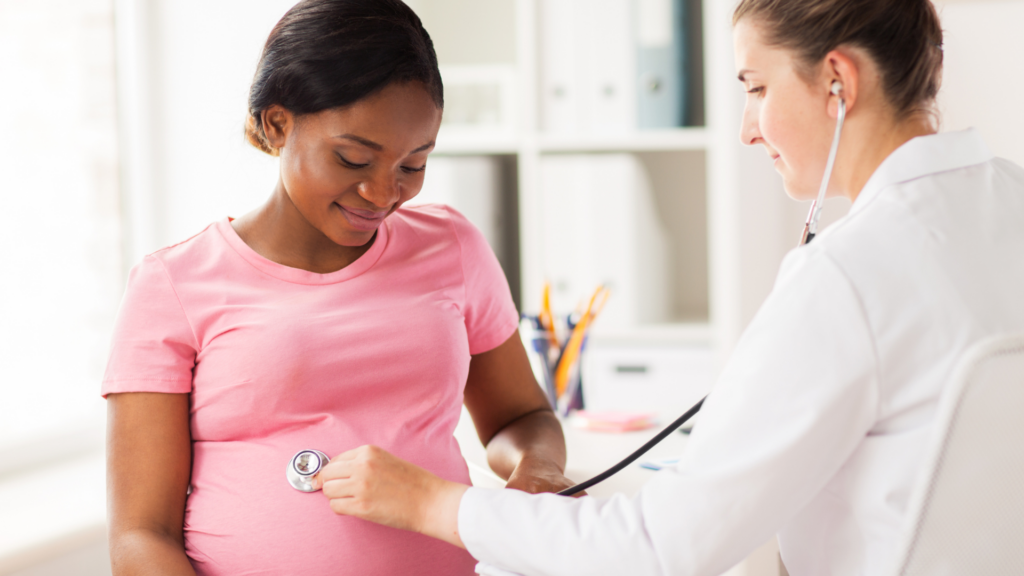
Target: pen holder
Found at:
x=545, y=357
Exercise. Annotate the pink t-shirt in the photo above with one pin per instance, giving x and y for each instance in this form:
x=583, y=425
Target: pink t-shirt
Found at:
x=278, y=359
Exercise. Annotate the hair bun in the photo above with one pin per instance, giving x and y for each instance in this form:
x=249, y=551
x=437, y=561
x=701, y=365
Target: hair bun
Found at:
x=254, y=135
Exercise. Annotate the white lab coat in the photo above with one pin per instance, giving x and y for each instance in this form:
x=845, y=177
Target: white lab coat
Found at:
x=816, y=427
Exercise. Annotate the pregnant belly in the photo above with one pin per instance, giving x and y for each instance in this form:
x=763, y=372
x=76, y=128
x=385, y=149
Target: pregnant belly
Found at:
x=243, y=518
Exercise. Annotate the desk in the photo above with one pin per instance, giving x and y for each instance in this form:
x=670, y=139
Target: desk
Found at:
x=590, y=453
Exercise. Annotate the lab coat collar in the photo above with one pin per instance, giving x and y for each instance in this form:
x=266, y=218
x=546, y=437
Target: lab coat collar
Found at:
x=923, y=156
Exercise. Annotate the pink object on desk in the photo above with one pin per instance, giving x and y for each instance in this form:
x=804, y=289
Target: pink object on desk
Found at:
x=614, y=421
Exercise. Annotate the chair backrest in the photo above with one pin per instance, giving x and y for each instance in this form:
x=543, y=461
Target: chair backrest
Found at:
x=967, y=511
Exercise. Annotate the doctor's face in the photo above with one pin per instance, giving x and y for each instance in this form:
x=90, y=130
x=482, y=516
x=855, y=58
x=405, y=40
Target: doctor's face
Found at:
x=783, y=112
x=347, y=169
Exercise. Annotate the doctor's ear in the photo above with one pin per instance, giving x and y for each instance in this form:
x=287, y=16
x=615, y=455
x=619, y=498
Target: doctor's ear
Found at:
x=842, y=77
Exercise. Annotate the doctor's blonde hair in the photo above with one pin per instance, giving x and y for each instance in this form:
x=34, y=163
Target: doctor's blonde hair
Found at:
x=903, y=37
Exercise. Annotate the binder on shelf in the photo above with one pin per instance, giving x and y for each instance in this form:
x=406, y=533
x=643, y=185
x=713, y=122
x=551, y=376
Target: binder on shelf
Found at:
x=606, y=60
x=560, y=94
x=661, y=63
x=600, y=226
x=587, y=66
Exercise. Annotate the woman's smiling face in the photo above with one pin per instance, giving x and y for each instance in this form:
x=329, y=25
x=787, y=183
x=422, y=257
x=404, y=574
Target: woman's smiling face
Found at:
x=783, y=112
x=346, y=169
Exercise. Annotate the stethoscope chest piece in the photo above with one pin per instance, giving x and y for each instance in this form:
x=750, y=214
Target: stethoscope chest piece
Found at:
x=303, y=467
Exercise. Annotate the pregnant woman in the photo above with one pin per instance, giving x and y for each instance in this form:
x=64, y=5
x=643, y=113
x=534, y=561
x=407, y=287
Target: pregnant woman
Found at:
x=328, y=318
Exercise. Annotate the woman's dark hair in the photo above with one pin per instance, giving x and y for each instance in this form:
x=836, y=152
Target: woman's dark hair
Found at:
x=326, y=54
x=903, y=37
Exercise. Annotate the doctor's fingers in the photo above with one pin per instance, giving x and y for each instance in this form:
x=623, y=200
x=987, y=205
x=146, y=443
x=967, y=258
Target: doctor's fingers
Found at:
x=328, y=473
x=345, y=464
x=369, y=463
x=370, y=499
x=348, y=497
x=344, y=488
x=363, y=452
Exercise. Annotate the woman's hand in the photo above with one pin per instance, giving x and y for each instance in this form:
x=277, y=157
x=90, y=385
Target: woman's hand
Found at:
x=371, y=484
x=535, y=475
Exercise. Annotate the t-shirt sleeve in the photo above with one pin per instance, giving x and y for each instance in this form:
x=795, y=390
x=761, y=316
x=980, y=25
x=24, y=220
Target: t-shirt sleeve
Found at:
x=153, y=348
x=490, y=313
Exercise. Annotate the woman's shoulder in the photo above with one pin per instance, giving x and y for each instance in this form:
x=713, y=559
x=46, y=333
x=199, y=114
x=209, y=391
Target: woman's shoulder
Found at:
x=193, y=254
x=437, y=220
x=441, y=230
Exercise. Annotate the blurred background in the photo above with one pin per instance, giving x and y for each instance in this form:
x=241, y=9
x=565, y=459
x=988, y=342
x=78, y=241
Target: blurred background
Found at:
x=124, y=134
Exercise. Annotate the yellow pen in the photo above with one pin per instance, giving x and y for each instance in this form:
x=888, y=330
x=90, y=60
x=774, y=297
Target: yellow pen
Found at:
x=575, y=345
x=546, y=318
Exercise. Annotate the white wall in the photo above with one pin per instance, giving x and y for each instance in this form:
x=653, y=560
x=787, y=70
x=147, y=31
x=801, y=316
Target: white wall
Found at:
x=190, y=63
x=983, y=83
x=59, y=239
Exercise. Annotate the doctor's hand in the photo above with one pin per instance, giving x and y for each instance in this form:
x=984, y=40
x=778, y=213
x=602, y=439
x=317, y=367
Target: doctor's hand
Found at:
x=371, y=484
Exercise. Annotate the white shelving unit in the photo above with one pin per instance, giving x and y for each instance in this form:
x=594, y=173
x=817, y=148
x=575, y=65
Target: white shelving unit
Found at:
x=678, y=140
x=731, y=223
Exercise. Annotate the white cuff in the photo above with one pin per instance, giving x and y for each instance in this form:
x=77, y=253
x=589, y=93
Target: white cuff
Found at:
x=488, y=570
x=467, y=516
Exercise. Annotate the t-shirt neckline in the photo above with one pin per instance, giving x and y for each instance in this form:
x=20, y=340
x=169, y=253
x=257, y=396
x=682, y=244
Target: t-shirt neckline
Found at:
x=299, y=276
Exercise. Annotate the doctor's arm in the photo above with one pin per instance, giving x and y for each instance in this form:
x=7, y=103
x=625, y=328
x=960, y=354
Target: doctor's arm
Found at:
x=514, y=421
x=149, y=459
x=797, y=398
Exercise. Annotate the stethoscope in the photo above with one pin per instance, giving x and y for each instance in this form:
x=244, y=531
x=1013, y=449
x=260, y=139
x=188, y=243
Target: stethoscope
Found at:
x=303, y=467
x=307, y=463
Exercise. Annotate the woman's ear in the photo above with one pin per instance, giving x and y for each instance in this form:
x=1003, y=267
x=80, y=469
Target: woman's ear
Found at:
x=278, y=124
x=841, y=66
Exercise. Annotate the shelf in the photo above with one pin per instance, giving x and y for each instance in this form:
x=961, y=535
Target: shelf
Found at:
x=678, y=333
x=472, y=142
x=462, y=143
x=645, y=141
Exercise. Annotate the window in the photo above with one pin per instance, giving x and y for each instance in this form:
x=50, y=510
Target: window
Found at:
x=60, y=266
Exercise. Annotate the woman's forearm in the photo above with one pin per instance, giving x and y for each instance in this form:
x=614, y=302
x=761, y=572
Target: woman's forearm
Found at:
x=534, y=439
x=149, y=463
x=143, y=552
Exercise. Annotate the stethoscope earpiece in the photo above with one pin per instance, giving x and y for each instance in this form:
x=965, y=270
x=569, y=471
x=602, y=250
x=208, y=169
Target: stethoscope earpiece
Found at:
x=811, y=227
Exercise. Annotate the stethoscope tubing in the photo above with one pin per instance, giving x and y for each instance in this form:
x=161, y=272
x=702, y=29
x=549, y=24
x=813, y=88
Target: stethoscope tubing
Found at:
x=811, y=227
x=636, y=454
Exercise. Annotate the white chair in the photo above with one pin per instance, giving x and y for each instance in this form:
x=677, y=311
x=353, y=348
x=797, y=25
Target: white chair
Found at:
x=967, y=512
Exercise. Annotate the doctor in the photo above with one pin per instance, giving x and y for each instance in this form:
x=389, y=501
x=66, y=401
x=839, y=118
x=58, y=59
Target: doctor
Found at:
x=816, y=427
